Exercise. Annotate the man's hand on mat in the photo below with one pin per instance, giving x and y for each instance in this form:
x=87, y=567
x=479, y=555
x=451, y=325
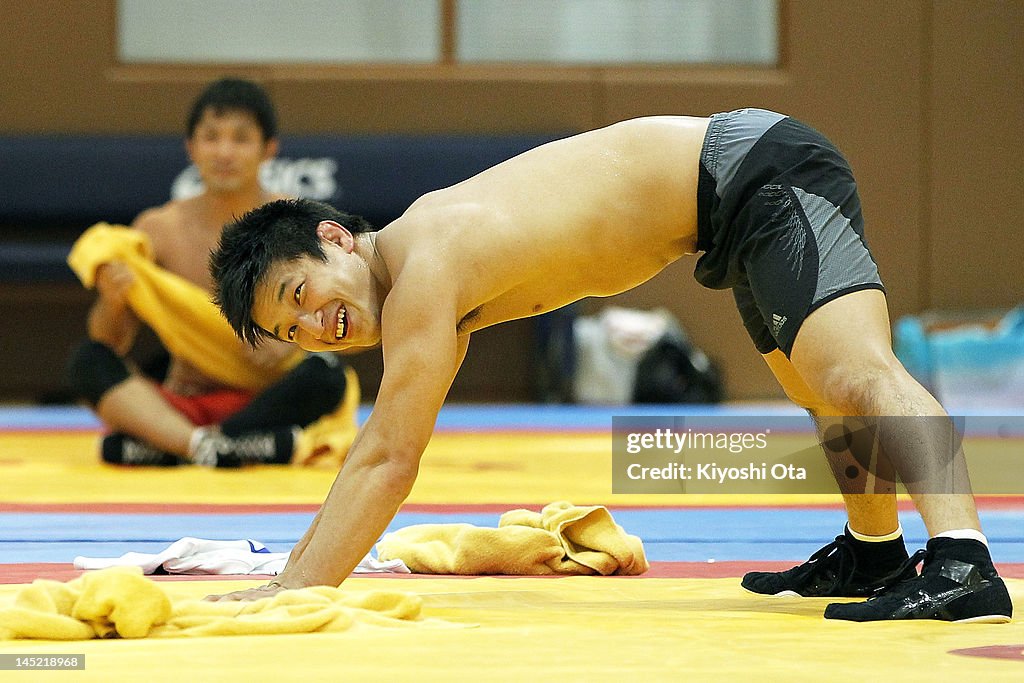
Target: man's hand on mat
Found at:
x=250, y=594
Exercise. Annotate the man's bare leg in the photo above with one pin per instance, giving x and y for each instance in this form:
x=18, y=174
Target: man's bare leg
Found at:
x=844, y=353
x=136, y=408
x=869, y=551
x=868, y=514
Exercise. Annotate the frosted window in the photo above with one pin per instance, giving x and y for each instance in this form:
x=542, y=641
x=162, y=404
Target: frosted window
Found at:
x=618, y=31
x=289, y=31
x=409, y=31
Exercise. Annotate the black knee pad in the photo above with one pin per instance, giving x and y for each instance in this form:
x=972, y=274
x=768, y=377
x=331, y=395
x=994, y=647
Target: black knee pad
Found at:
x=322, y=379
x=94, y=369
x=309, y=391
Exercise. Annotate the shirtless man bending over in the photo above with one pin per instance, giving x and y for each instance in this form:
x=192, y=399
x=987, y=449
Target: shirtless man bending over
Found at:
x=773, y=210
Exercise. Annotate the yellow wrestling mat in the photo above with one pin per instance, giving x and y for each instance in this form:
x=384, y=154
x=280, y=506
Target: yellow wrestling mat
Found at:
x=503, y=468
x=578, y=628
x=457, y=468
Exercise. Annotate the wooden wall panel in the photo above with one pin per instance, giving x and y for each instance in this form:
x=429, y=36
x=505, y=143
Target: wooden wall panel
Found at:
x=976, y=211
x=923, y=96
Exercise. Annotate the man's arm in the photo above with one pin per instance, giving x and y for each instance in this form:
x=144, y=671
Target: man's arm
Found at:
x=110, y=320
x=297, y=550
x=422, y=354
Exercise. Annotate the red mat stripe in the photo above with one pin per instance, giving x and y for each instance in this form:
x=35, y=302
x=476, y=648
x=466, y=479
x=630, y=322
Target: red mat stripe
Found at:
x=62, y=571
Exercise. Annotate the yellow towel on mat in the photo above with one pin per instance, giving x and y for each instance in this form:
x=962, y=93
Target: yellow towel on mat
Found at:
x=561, y=539
x=164, y=300
x=120, y=602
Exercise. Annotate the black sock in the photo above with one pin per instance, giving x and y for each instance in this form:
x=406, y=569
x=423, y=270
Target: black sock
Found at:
x=877, y=559
x=963, y=549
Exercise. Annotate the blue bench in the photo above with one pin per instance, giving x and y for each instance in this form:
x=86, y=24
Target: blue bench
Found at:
x=52, y=187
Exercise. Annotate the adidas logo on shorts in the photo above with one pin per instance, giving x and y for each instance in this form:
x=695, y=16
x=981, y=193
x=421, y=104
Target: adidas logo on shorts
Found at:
x=777, y=322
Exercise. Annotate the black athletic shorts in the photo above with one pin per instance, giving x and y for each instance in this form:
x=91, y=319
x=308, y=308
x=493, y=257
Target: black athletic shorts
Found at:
x=779, y=222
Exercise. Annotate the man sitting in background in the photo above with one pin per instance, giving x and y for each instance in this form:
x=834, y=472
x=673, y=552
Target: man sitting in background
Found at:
x=193, y=416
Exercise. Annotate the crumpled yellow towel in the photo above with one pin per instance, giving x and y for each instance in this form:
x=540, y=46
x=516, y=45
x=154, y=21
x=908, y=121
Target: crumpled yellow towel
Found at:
x=163, y=300
x=120, y=602
x=561, y=539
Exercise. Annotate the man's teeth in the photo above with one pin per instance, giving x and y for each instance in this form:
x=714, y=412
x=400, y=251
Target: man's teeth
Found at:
x=340, y=332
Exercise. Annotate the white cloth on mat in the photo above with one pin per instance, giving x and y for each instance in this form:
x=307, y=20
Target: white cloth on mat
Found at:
x=200, y=556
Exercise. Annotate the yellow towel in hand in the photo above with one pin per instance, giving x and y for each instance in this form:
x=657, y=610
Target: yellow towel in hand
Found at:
x=191, y=327
x=561, y=539
x=179, y=312
x=120, y=602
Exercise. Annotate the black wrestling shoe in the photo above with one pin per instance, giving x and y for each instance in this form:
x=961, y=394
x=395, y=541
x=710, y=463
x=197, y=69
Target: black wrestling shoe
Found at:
x=119, y=449
x=845, y=567
x=958, y=582
x=214, y=449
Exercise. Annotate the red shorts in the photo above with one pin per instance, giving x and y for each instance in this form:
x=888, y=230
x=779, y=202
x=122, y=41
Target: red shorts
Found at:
x=211, y=408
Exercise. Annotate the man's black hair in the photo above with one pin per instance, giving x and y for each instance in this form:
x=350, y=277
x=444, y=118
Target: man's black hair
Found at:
x=280, y=231
x=235, y=94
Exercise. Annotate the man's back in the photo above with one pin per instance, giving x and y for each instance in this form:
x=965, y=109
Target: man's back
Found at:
x=591, y=215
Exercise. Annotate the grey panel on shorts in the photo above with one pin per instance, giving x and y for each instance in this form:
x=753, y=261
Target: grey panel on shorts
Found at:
x=742, y=129
x=842, y=256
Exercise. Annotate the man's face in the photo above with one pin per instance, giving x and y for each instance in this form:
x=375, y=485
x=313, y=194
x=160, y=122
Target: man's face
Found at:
x=321, y=306
x=228, y=147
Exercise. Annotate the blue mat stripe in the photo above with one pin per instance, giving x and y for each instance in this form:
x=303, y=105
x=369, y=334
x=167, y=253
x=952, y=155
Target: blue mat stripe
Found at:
x=545, y=418
x=668, y=535
x=516, y=417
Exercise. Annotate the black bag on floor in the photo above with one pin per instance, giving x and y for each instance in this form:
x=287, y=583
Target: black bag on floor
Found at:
x=674, y=371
